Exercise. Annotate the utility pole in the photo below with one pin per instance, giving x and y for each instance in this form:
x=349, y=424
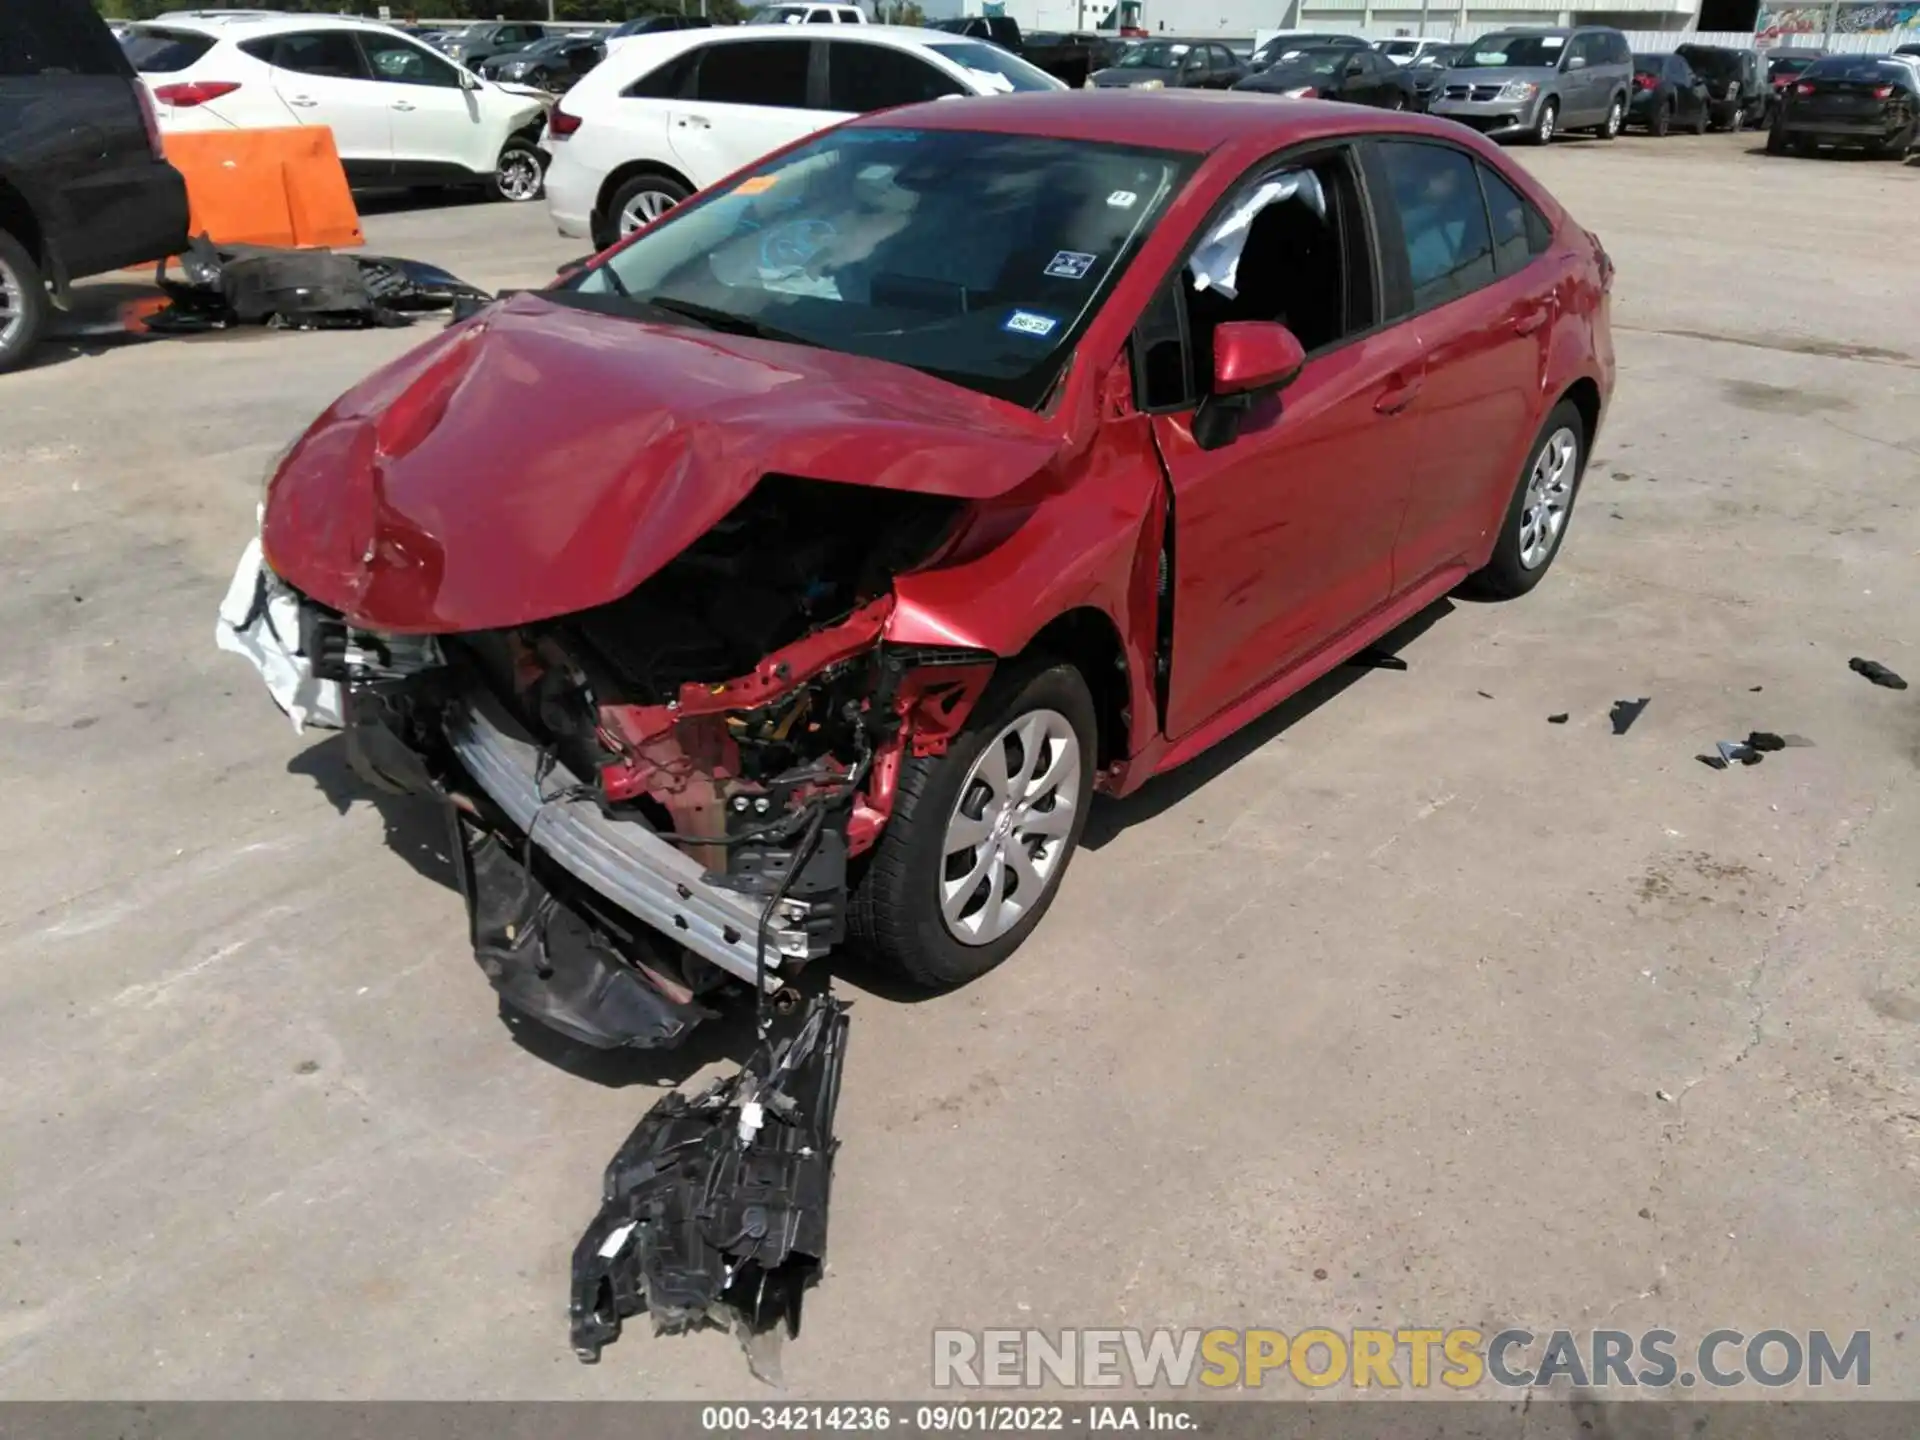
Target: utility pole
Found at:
x=1423, y=19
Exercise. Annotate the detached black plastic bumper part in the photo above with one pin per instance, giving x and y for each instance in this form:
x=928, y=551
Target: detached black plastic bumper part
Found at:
x=714, y=1211
x=560, y=963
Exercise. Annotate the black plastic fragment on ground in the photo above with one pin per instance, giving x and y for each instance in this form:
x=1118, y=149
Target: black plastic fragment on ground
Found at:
x=300, y=290
x=1559, y=719
x=714, y=1211
x=1372, y=659
x=1877, y=673
x=1625, y=712
x=1731, y=752
x=1765, y=740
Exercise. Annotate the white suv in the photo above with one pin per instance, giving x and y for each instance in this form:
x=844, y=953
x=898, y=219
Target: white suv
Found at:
x=400, y=114
x=802, y=14
x=668, y=114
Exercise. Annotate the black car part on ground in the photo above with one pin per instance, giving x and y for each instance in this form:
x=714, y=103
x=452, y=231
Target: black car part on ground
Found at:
x=1876, y=672
x=714, y=1211
x=1625, y=712
x=299, y=290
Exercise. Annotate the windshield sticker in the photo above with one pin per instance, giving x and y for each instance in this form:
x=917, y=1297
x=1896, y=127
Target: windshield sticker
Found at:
x=1026, y=322
x=1551, y=42
x=755, y=185
x=1071, y=265
x=1123, y=199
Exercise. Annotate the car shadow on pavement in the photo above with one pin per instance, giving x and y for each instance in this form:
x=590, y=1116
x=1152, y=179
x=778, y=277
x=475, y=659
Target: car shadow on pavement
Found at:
x=401, y=202
x=1163, y=792
x=416, y=828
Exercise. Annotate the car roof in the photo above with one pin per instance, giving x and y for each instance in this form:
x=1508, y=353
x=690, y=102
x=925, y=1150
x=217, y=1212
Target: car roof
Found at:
x=1194, y=121
x=257, y=23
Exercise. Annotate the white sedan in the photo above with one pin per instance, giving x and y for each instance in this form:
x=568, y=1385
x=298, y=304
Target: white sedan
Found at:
x=668, y=114
x=400, y=113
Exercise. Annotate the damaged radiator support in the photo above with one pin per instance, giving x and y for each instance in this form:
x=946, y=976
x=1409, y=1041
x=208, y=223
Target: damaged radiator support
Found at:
x=714, y=1211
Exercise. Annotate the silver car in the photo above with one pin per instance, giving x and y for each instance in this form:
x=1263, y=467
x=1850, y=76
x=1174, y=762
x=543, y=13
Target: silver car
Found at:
x=1532, y=84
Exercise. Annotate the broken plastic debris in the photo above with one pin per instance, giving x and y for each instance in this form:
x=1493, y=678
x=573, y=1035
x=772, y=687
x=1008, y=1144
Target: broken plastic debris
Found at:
x=1216, y=263
x=1559, y=719
x=1877, y=673
x=1730, y=752
x=728, y=1220
x=1372, y=659
x=1765, y=740
x=1625, y=712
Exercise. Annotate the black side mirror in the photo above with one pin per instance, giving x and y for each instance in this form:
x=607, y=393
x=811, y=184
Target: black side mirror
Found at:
x=465, y=307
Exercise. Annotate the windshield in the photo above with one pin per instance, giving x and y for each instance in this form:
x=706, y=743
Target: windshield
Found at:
x=1159, y=55
x=974, y=257
x=1865, y=68
x=1399, y=47
x=777, y=15
x=1516, y=52
x=993, y=68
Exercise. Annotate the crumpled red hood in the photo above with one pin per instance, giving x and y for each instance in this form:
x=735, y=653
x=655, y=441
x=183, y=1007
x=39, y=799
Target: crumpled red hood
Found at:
x=543, y=460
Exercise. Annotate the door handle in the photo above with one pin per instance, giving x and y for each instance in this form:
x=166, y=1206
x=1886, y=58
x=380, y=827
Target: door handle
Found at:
x=692, y=122
x=1529, y=321
x=305, y=102
x=1397, y=396
x=404, y=105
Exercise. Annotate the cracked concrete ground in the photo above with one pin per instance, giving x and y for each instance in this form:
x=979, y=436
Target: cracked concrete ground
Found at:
x=1406, y=1007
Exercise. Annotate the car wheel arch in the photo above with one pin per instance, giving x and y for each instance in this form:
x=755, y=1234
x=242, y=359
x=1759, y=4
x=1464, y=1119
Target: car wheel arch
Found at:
x=1087, y=638
x=19, y=219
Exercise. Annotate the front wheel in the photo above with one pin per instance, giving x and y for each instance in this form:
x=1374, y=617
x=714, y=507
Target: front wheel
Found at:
x=1737, y=114
x=1542, y=505
x=980, y=837
x=23, y=303
x=1662, y=121
x=1701, y=118
x=521, y=174
x=1543, y=128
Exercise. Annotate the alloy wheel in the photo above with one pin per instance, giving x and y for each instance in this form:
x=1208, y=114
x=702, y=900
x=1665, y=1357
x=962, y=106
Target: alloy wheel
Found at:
x=645, y=208
x=1007, y=839
x=1547, y=118
x=13, y=305
x=1616, y=117
x=1549, y=497
x=519, y=175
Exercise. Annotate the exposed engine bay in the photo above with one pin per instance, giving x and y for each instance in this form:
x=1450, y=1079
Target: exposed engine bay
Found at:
x=668, y=795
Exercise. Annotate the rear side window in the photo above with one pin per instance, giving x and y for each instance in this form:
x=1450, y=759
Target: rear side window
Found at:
x=330, y=53
x=1443, y=220
x=671, y=81
x=1520, y=231
x=151, y=52
x=875, y=77
x=754, y=72
x=65, y=37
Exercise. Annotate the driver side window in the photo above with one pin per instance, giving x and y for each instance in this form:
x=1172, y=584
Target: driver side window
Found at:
x=1290, y=246
x=400, y=62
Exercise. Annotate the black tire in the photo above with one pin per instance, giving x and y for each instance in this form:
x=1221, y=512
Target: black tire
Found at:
x=1700, y=120
x=1894, y=147
x=1662, y=121
x=606, y=226
x=895, y=911
x=521, y=173
x=1616, y=120
x=1546, y=125
x=1776, y=142
x=1504, y=576
x=25, y=319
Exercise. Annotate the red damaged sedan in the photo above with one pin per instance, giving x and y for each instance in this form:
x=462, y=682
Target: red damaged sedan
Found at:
x=798, y=571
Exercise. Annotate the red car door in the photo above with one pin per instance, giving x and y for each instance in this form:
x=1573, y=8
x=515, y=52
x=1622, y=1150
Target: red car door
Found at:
x=1484, y=313
x=1283, y=537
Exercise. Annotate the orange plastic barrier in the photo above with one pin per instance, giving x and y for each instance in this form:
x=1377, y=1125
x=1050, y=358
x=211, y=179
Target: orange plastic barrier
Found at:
x=281, y=187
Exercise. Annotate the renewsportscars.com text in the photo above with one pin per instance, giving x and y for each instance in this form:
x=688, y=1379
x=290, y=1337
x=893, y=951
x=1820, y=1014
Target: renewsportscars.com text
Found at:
x=1414, y=1358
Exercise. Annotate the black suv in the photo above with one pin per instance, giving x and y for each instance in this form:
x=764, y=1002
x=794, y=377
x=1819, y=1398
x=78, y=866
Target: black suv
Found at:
x=84, y=188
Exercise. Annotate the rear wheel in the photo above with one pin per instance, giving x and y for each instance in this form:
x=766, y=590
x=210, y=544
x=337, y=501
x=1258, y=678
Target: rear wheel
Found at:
x=1737, y=108
x=1895, y=146
x=23, y=303
x=1662, y=120
x=1542, y=506
x=1701, y=117
x=639, y=201
x=1776, y=142
x=1616, y=117
x=979, y=838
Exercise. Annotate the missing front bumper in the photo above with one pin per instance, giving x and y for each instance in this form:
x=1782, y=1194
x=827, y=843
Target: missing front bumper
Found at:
x=625, y=862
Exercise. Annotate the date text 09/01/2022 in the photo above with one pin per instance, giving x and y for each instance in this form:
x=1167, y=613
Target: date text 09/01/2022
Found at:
x=942, y=1419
